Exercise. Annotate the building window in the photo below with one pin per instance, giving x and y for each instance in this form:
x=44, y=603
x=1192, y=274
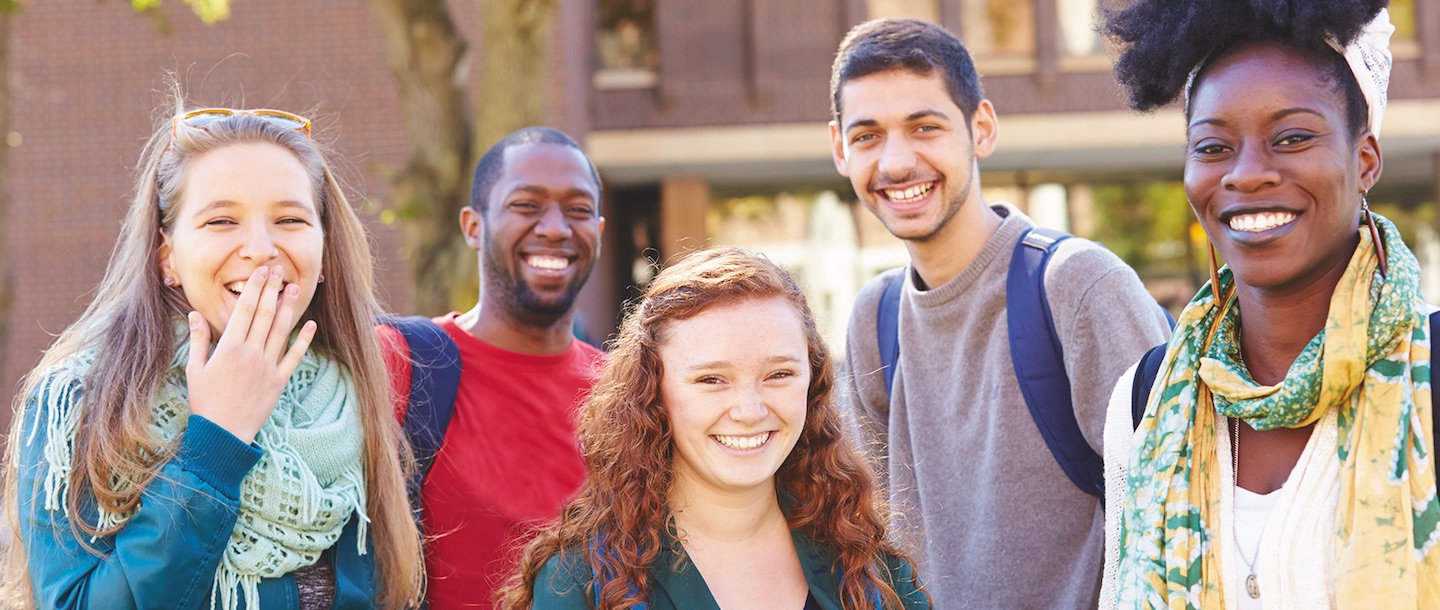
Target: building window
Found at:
x=928, y=10
x=1000, y=33
x=625, y=44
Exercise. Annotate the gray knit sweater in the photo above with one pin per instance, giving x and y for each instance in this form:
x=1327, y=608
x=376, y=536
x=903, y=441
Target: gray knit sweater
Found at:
x=975, y=493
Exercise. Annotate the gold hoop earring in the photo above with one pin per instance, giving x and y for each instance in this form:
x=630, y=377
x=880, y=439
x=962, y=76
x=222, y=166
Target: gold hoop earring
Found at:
x=1375, y=237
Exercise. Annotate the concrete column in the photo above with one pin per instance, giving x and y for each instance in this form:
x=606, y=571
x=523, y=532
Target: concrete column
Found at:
x=683, y=203
x=1082, y=209
x=1047, y=206
x=1434, y=197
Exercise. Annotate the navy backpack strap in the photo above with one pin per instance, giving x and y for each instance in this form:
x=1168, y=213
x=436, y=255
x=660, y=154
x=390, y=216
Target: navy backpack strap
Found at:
x=1149, y=368
x=1039, y=361
x=1434, y=396
x=887, y=326
x=434, y=383
x=1145, y=374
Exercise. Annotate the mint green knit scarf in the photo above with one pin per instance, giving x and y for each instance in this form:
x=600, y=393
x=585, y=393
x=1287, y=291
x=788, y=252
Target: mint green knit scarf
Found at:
x=293, y=504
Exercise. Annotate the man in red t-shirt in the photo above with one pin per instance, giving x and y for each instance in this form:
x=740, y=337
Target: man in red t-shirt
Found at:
x=510, y=457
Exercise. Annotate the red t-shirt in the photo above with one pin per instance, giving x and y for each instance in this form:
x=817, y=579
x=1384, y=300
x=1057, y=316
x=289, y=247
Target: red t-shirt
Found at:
x=510, y=459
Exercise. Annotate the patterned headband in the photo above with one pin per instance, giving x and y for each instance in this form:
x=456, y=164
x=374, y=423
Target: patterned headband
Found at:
x=1369, y=59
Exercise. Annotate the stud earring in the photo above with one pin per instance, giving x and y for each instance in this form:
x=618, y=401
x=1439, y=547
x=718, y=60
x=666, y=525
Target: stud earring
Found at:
x=1375, y=237
x=322, y=278
x=170, y=281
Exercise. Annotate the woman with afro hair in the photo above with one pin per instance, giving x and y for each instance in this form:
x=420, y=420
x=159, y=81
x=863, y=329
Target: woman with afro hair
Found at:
x=718, y=473
x=1283, y=460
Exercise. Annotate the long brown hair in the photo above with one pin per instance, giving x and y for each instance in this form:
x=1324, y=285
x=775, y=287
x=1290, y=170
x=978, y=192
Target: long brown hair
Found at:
x=629, y=453
x=131, y=324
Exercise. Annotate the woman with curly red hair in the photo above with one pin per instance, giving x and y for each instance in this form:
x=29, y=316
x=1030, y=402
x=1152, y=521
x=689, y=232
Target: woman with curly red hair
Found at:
x=719, y=476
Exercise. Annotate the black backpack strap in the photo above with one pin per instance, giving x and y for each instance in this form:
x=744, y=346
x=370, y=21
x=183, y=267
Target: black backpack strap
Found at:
x=1039, y=362
x=434, y=383
x=887, y=327
x=1145, y=374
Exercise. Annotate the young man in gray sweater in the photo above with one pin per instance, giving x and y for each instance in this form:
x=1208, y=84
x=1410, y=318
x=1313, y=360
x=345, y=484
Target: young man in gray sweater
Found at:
x=989, y=512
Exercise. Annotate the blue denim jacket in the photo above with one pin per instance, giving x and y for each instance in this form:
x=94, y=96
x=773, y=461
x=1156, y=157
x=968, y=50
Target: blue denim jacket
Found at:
x=167, y=553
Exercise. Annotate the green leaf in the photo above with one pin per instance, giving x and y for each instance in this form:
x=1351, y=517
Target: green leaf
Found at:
x=209, y=11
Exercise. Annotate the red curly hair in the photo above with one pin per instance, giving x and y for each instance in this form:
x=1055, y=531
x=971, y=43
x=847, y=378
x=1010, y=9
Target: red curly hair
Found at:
x=629, y=452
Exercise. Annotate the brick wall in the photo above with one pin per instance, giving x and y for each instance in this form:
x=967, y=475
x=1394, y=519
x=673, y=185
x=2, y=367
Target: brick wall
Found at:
x=86, y=79
x=726, y=62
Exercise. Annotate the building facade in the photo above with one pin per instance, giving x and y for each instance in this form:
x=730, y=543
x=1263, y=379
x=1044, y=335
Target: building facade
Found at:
x=706, y=118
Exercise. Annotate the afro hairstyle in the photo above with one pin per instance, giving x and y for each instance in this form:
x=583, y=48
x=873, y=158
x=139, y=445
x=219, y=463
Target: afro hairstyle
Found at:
x=1163, y=41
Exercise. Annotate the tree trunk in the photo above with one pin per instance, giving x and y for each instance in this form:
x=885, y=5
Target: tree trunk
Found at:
x=513, y=84
x=425, y=53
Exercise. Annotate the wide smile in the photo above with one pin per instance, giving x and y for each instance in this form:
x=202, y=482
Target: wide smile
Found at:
x=908, y=198
x=1254, y=228
x=1260, y=223
x=743, y=443
x=547, y=264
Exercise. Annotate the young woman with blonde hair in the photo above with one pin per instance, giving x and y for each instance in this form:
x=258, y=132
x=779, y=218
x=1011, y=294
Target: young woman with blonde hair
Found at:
x=189, y=442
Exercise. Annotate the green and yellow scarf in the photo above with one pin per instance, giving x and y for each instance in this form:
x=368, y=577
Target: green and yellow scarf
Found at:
x=1372, y=364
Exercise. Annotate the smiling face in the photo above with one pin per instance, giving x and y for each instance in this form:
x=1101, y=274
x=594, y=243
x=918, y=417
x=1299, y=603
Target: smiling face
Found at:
x=1271, y=169
x=540, y=234
x=736, y=395
x=907, y=150
x=242, y=206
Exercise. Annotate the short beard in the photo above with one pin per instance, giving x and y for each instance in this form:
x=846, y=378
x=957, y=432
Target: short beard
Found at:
x=518, y=301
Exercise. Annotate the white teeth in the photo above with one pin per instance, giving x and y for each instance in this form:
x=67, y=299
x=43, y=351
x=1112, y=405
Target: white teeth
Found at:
x=1264, y=221
x=908, y=195
x=238, y=287
x=553, y=263
x=742, y=442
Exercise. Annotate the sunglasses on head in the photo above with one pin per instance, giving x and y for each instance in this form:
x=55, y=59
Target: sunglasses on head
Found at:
x=202, y=118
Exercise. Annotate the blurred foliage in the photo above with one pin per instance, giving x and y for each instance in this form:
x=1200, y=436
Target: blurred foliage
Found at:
x=1146, y=224
x=1402, y=15
x=1407, y=218
x=209, y=11
x=1152, y=227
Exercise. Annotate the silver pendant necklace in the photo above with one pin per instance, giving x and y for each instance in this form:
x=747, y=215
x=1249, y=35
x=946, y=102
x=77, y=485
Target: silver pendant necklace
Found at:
x=1252, y=584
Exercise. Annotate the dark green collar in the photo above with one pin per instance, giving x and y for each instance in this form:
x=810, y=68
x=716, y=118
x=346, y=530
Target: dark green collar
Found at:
x=685, y=588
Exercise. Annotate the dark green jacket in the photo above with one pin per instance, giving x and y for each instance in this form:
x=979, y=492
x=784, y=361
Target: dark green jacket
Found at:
x=564, y=581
